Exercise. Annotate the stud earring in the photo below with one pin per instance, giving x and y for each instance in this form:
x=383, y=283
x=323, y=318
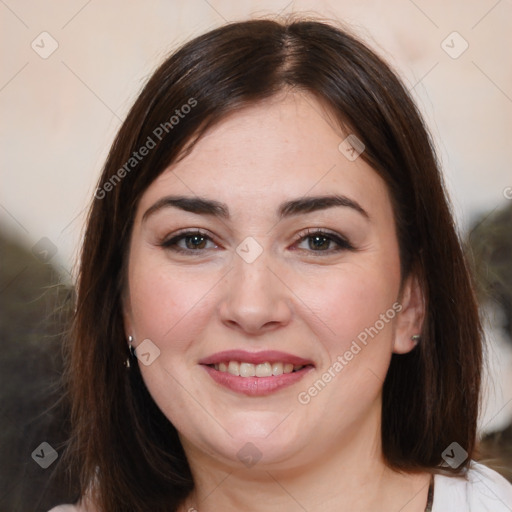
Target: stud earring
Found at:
x=416, y=338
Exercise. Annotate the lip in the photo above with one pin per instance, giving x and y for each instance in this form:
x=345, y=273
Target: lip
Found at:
x=255, y=386
x=270, y=356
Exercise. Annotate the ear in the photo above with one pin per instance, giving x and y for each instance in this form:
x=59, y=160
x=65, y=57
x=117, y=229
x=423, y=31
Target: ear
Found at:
x=410, y=318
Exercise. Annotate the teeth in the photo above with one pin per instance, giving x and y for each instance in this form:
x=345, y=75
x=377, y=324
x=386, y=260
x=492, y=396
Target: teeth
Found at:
x=256, y=370
x=263, y=370
x=247, y=370
x=277, y=369
x=288, y=368
x=234, y=368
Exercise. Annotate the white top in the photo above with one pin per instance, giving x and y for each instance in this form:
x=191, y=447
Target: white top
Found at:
x=480, y=490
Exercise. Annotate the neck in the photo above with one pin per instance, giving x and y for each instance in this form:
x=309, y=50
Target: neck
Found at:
x=350, y=477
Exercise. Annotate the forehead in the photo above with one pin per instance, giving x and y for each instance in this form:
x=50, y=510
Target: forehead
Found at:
x=286, y=146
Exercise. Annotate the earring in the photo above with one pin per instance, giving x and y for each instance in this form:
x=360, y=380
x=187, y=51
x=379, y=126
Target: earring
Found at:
x=416, y=338
x=131, y=350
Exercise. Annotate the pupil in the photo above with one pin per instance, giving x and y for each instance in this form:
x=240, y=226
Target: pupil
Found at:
x=194, y=239
x=317, y=245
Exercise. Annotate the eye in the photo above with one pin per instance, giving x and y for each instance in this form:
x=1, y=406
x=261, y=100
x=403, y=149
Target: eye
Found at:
x=323, y=241
x=188, y=241
x=319, y=241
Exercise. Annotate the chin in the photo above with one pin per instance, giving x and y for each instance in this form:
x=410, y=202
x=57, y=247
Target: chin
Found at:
x=261, y=440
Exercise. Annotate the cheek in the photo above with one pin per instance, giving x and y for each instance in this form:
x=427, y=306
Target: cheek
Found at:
x=355, y=308
x=171, y=307
x=350, y=299
x=169, y=304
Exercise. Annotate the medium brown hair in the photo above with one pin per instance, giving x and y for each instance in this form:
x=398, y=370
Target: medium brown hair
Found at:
x=430, y=396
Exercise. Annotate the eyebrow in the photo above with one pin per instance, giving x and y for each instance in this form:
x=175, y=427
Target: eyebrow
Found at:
x=203, y=206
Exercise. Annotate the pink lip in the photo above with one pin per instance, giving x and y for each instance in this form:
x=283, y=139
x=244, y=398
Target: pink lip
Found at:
x=271, y=356
x=256, y=386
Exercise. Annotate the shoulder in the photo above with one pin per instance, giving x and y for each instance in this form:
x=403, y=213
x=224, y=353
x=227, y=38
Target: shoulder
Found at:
x=72, y=508
x=479, y=489
x=66, y=508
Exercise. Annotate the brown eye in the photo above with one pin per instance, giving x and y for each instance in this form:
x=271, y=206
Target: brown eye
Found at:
x=189, y=241
x=195, y=241
x=320, y=241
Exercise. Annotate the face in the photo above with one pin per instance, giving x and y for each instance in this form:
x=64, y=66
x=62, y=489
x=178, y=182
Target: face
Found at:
x=286, y=272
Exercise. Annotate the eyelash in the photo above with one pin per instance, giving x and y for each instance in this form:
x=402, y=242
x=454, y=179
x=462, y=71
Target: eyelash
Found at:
x=343, y=244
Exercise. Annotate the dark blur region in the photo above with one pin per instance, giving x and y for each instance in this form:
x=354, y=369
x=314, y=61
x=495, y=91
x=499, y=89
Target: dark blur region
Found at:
x=35, y=312
x=490, y=248
x=34, y=308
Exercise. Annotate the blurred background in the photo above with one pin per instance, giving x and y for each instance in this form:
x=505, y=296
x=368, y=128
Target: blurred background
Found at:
x=71, y=70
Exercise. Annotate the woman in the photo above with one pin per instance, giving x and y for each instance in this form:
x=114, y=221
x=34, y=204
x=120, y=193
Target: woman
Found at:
x=274, y=311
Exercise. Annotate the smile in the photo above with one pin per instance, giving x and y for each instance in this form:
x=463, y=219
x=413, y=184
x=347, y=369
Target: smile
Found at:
x=266, y=369
x=255, y=373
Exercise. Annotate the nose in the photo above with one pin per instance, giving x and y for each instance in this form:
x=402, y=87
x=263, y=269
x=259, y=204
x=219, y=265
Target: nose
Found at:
x=255, y=299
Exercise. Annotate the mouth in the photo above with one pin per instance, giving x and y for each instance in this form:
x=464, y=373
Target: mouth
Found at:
x=256, y=374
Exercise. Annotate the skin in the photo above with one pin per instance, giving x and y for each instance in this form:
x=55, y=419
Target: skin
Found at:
x=326, y=454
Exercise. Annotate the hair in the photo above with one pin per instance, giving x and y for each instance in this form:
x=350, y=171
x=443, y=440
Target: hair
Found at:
x=121, y=440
